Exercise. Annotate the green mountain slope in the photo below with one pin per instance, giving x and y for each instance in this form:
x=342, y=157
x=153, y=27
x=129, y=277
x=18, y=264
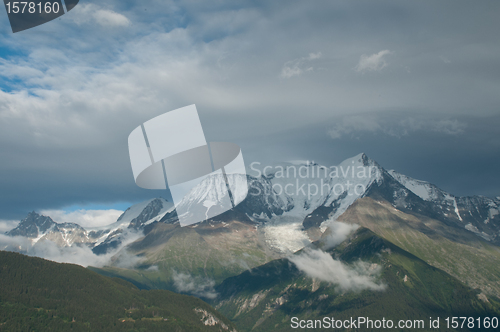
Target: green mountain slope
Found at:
x=214, y=249
x=447, y=247
x=40, y=295
x=267, y=297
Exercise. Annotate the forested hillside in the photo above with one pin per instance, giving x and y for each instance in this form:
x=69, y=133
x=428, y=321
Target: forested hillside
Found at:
x=40, y=295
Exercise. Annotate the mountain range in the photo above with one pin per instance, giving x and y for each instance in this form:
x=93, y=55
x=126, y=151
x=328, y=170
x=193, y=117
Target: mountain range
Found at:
x=405, y=227
x=36, y=227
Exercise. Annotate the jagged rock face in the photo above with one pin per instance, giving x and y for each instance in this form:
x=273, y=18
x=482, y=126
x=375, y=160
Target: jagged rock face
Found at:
x=150, y=211
x=112, y=241
x=37, y=227
x=298, y=189
x=478, y=214
x=481, y=216
x=142, y=217
x=263, y=200
x=32, y=226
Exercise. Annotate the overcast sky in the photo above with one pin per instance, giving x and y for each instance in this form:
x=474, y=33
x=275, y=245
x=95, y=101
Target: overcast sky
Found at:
x=414, y=84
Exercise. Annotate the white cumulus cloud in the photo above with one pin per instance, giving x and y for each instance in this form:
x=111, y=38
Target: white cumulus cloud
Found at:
x=374, y=62
x=320, y=265
x=91, y=13
x=197, y=286
x=336, y=233
x=110, y=18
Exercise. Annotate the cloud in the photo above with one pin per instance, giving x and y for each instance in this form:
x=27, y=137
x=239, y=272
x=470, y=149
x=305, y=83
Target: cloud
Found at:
x=299, y=66
x=49, y=250
x=91, y=13
x=198, y=286
x=320, y=265
x=336, y=233
x=7, y=225
x=374, y=62
x=14, y=243
x=84, y=218
x=76, y=254
x=110, y=18
x=72, y=90
x=394, y=126
x=123, y=259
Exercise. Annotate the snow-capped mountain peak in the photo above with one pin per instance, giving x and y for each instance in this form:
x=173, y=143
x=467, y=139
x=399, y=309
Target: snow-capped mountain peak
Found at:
x=131, y=223
x=474, y=213
x=423, y=189
x=153, y=211
x=37, y=227
x=33, y=225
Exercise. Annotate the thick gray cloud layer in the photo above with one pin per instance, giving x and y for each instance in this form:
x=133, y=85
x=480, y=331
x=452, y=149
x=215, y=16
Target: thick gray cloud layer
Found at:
x=413, y=84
